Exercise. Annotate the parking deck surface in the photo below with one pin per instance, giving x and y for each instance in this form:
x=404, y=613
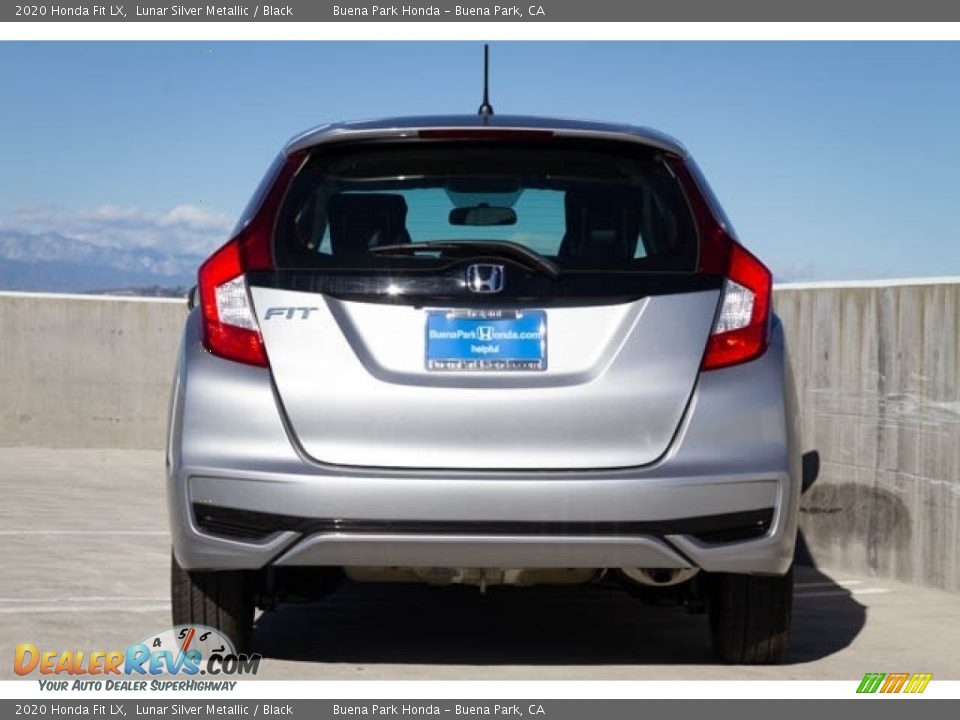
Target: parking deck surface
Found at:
x=84, y=557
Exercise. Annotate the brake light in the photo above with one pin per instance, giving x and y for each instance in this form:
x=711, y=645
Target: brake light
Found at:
x=740, y=330
x=230, y=328
x=485, y=134
x=229, y=322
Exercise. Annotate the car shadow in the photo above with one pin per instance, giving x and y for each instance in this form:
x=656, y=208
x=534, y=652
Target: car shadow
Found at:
x=826, y=616
x=401, y=624
x=420, y=625
x=546, y=626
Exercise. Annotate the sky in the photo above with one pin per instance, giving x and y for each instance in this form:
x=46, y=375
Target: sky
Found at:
x=833, y=160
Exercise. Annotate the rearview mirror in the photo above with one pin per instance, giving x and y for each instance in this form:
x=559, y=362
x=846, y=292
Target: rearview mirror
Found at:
x=483, y=216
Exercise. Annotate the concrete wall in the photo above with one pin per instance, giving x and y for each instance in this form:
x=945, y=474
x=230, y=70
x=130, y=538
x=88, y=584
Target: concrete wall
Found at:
x=77, y=371
x=879, y=384
x=876, y=365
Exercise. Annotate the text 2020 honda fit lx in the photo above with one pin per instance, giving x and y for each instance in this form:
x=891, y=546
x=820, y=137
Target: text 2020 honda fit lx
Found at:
x=485, y=350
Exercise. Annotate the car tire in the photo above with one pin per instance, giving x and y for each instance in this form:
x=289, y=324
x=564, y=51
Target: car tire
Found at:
x=750, y=617
x=221, y=600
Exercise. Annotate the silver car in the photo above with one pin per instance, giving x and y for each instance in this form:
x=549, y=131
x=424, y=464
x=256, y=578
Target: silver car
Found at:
x=485, y=350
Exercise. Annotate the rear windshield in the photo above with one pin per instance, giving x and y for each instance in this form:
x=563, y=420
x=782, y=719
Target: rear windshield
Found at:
x=604, y=207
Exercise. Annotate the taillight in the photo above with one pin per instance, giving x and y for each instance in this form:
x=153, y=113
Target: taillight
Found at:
x=230, y=328
x=740, y=330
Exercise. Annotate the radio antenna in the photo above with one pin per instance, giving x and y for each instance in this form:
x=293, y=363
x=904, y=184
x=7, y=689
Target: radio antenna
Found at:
x=486, y=109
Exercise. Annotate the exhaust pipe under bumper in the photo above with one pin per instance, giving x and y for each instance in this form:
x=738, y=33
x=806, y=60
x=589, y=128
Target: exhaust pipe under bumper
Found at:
x=659, y=577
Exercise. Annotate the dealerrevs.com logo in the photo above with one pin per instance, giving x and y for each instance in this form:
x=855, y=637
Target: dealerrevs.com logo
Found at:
x=186, y=651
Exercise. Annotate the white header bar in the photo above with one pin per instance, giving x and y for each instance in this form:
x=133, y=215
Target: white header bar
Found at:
x=480, y=31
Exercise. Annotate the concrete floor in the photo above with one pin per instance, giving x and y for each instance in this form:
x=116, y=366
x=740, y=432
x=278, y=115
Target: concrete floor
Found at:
x=84, y=562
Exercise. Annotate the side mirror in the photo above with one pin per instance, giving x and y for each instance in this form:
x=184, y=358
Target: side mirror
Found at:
x=192, y=298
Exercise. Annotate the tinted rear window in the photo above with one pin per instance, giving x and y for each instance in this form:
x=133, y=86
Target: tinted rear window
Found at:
x=586, y=206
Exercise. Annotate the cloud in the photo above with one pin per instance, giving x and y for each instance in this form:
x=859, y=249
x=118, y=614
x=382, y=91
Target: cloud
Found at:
x=181, y=230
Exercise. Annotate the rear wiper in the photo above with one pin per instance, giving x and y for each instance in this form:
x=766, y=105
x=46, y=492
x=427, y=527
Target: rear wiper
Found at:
x=520, y=254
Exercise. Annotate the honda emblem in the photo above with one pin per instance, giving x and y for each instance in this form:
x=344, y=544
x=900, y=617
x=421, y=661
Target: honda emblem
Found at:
x=485, y=278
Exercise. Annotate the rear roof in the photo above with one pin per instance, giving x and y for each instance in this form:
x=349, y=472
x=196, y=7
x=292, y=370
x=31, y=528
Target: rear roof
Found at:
x=406, y=126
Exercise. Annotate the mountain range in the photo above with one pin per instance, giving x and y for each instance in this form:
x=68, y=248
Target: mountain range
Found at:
x=51, y=262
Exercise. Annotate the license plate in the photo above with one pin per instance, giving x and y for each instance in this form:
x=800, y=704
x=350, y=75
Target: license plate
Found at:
x=486, y=340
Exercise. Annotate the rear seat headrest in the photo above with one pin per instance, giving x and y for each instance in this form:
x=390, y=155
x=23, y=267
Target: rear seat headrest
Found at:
x=602, y=223
x=360, y=221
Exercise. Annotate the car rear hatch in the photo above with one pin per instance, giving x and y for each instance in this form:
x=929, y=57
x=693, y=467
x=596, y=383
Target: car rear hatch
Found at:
x=532, y=303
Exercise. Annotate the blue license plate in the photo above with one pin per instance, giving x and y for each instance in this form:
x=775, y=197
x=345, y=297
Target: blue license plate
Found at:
x=485, y=340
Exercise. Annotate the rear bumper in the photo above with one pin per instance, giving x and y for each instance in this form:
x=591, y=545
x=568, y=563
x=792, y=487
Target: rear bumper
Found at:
x=539, y=523
x=733, y=463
